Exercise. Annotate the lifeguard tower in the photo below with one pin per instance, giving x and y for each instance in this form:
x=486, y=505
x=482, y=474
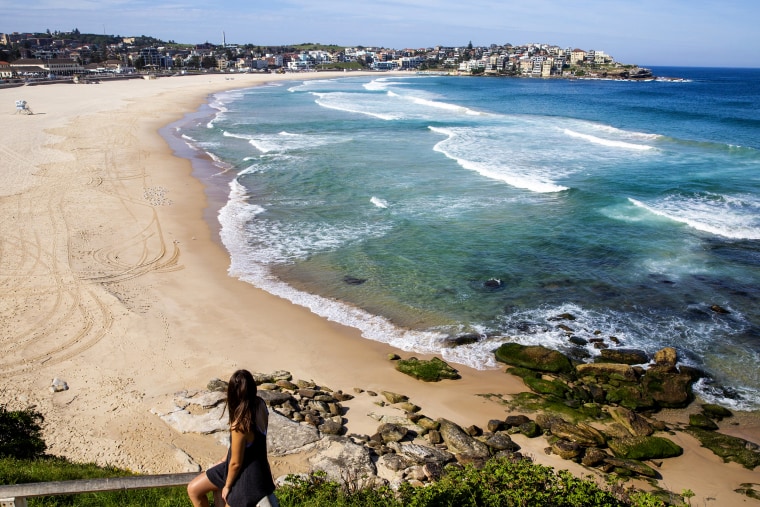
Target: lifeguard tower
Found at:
x=22, y=107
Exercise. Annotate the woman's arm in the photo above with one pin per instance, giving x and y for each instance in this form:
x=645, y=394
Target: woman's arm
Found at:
x=237, y=452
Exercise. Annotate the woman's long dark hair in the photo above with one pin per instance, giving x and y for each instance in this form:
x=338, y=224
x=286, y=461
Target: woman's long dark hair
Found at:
x=242, y=401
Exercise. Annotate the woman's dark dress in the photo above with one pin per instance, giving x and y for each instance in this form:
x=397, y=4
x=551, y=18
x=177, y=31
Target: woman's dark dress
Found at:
x=254, y=481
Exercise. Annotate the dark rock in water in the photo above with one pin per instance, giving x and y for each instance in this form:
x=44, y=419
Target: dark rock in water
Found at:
x=352, y=280
x=493, y=283
x=694, y=373
x=563, y=316
x=577, y=340
x=719, y=309
x=578, y=354
x=463, y=339
x=702, y=421
x=624, y=356
x=525, y=327
x=534, y=357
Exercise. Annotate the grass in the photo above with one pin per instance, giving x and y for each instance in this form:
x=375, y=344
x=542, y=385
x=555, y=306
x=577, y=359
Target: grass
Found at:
x=502, y=483
x=16, y=471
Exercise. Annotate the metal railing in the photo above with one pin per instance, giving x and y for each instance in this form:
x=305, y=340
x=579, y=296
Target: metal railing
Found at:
x=15, y=495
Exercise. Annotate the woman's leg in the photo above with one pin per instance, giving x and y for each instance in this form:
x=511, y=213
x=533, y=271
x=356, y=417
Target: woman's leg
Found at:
x=198, y=491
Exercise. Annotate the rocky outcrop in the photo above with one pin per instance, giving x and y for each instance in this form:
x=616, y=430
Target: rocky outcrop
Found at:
x=624, y=356
x=459, y=442
x=645, y=448
x=411, y=447
x=432, y=370
x=533, y=357
x=633, y=423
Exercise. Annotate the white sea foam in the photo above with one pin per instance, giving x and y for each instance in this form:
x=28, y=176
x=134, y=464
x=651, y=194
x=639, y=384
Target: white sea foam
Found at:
x=284, y=141
x=642, y=136
x=380, y=203
x=356, y=103
x=607, y=142
x=726, y=216
x=377, y=84
x=310, y=84
x=459, y=147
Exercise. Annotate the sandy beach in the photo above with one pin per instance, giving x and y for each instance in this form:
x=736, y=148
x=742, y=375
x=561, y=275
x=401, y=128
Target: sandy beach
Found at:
x=111, y=280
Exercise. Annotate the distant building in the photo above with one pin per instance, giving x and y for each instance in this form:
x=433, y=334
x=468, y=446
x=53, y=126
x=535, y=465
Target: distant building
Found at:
x=577, y=56
x=5, y=70
x=57, y=66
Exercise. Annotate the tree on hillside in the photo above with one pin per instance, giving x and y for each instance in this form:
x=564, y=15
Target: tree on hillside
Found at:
x=208, y=62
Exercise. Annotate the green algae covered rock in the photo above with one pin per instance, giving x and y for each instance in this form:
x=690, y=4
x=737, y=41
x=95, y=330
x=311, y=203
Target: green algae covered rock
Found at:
x=716, y=412
x=533, y=357
x=641, y=448
x=550, y=387
x=702, y=421
x=727, y=447
x=429, y=371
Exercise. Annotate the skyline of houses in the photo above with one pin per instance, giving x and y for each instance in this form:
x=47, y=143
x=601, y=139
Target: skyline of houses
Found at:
x=66, y=54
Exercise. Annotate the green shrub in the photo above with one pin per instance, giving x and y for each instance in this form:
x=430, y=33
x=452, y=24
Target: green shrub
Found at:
x=21, y=433
x=501, y=483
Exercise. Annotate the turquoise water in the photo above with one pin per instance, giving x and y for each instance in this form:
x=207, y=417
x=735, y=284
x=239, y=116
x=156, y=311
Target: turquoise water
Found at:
x=421, y=208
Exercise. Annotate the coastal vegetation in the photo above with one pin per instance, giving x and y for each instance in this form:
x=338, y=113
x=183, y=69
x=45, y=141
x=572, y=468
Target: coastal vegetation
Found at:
x=500, y=481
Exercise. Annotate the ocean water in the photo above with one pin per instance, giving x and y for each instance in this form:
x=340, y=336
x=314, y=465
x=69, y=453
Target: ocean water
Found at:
x=423, y=208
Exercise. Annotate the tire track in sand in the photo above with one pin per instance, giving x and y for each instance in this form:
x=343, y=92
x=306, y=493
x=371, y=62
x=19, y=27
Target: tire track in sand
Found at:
x=64, y=260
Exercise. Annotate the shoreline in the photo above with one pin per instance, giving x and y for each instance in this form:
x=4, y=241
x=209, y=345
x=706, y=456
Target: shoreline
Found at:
x=113, y=282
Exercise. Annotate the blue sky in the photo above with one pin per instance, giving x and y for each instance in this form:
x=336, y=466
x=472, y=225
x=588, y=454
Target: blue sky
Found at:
x=646, y=32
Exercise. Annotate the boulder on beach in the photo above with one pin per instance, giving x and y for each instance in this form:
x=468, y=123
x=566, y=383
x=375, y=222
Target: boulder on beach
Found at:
x=645, y=448
x=533, y=357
